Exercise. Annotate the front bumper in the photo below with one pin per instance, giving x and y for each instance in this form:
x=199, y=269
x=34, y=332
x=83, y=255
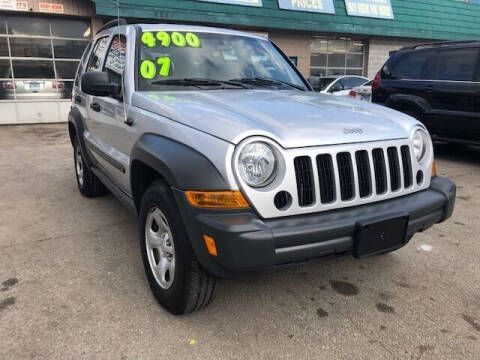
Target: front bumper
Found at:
x=249, y=244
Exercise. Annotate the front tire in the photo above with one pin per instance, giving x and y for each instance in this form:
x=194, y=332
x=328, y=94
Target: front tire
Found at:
x=177, y=281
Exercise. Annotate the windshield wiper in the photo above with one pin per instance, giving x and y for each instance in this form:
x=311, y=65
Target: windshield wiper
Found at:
x=266, y=81
x=197, y=82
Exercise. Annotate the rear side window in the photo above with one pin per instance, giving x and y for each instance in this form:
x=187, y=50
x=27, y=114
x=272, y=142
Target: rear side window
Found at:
x=95, y=60
x=416, y=65
x=350, y=83
x=457, y=65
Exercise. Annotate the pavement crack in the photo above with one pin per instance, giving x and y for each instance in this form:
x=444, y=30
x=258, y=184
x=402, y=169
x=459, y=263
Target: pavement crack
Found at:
x=104, y=227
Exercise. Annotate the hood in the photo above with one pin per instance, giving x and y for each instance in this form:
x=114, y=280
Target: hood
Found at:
x=292, y=118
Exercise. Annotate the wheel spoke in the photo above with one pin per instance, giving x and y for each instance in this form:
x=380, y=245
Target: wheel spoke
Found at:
x=161, y=221
x=163, y=267
x=160, y=245
x=154, y=239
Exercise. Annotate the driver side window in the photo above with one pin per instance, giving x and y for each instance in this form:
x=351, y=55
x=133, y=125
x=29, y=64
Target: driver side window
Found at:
x=97, y=55
x=115, y=61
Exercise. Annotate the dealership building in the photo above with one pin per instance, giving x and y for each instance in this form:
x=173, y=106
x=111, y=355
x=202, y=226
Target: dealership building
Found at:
x=41, y=41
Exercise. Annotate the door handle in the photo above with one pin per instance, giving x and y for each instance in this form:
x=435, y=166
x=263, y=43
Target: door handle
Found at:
x=78, y=99
x=429, y=88
x=95, y=107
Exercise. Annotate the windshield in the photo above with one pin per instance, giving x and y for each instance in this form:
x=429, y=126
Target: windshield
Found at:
x=178, y=60
x=324, y=82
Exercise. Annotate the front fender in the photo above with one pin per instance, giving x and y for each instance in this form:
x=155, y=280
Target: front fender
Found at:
x=180, y=165
x=76, y=129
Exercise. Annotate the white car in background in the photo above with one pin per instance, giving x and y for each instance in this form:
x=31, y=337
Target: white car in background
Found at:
x=337, y=85
x=363, y=92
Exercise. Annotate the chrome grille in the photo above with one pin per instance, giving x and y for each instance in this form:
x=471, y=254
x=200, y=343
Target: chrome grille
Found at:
x=340, y=176
x=334, y=176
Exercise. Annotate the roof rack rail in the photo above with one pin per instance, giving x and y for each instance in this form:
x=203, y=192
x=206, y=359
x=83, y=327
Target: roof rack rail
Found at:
x=112, y=23
x=439, y=44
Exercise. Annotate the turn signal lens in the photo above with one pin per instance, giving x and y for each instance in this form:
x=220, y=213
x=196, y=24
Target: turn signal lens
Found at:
x=434, y=169
x=217, y=199
x=210, y=244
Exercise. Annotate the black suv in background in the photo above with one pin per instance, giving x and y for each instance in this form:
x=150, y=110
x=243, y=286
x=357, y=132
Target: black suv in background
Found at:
x=437, y=83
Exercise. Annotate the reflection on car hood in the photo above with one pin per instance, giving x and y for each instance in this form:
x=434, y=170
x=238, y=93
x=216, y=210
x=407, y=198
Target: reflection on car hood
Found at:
x=292, y=118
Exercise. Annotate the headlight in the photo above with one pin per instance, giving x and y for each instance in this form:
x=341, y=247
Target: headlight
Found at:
x=420, y=142
x=257, y=164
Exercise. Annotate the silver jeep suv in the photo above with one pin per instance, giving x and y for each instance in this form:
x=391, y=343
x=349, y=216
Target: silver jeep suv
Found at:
x=234, y=165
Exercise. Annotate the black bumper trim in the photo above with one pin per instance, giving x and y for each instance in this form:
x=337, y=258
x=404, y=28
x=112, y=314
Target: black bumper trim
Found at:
x=249, y=244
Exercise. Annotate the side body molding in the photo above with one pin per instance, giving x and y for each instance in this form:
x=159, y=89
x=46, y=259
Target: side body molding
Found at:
x=182, y=166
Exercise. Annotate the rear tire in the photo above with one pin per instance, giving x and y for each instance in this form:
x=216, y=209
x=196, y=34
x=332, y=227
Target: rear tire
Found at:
x=177, y=280
x=88, y=183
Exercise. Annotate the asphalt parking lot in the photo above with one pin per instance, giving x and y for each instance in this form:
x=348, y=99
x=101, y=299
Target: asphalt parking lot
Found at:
x=73, y=286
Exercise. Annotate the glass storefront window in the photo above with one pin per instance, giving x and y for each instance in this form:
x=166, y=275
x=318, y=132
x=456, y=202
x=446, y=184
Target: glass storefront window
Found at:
x=354, y=60
x=28, y=47
x=5, y=71
x=44, y=55
x=336, y=60
x=70, y=28
x=28, y=69
x=66, y=69
x=336, y=57
x=69, y=49
x=22, y=25
x=318, y=60
x=3, y=27
x=3, y=46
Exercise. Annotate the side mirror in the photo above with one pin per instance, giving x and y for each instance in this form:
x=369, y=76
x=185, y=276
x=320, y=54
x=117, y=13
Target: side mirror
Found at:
x=98, y=84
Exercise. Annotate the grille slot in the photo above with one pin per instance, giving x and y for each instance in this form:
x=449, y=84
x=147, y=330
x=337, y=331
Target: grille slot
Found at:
x=380, y=171
x=407, y=166
x=364, y=176
x=304, y=174
x=394, y=166
x=345, y=173
x=326, y=178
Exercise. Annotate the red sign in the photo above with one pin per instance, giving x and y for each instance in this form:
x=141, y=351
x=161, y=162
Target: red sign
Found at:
x=51, y=8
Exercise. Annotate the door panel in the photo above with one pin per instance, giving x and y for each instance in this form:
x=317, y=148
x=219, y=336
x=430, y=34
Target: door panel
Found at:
x=455, y=96
x=109, y=132
x=409, y=77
